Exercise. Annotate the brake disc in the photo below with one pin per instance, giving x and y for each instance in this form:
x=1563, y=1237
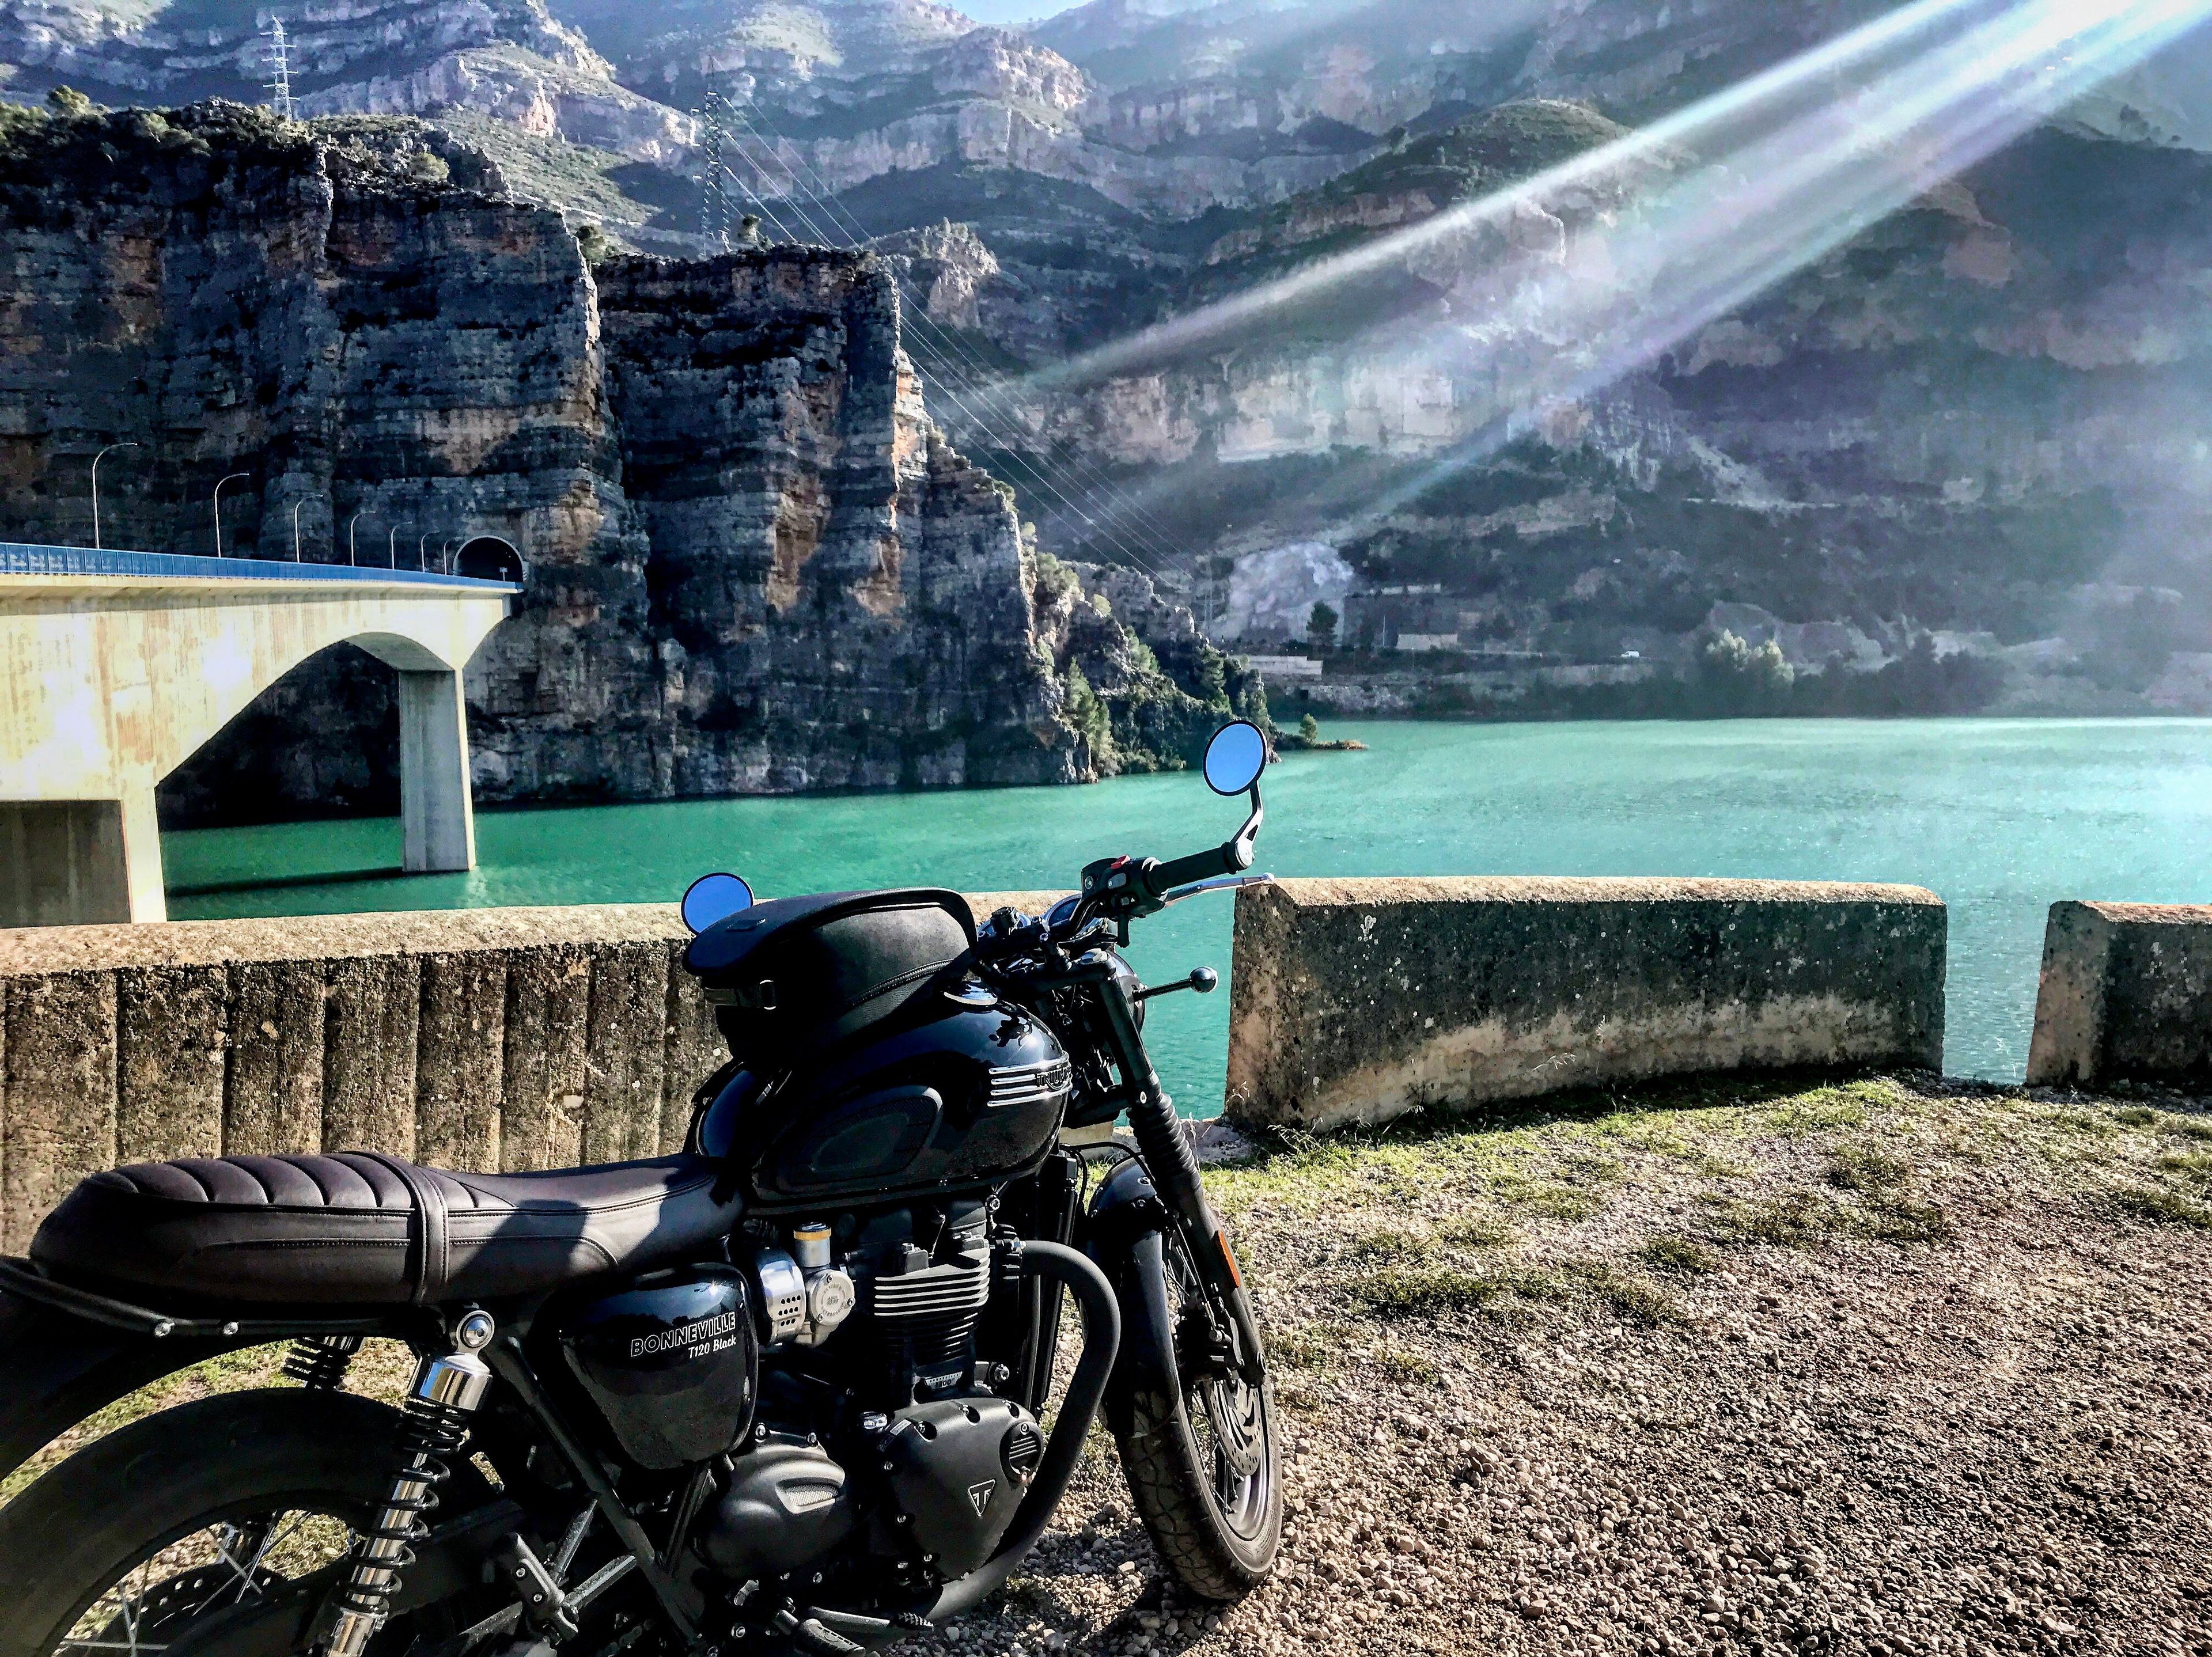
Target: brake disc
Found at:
x=1232, y=1407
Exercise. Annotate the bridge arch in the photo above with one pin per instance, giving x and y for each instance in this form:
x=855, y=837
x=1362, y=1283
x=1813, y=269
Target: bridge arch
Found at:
x=111, y=678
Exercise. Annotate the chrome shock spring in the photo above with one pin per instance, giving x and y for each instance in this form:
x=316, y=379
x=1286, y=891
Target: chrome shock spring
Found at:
x=447, y=1390
x=320, y=1363
x=434, y=1432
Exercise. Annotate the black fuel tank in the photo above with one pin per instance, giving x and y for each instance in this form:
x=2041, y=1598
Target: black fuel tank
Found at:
x=959, y=1094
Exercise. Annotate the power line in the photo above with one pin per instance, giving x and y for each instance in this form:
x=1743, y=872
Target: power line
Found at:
x=937, y=350
x=948, y=347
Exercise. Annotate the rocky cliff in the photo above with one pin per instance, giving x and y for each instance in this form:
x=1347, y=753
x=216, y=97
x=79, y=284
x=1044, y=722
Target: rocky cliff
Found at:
x=757, y=566
x=1966, y=431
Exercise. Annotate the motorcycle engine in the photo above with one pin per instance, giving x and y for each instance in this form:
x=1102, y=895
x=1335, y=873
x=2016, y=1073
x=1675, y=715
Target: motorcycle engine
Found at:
x=875, y=1421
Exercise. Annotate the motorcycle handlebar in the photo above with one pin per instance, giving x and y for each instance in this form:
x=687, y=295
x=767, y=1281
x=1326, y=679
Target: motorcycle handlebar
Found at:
x=1231, y=859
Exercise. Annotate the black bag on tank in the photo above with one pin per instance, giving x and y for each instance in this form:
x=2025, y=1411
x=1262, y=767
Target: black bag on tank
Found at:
x=795, y=974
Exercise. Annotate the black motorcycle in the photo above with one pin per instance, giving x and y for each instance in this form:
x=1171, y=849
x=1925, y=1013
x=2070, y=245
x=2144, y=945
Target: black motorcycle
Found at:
x=798, y=1389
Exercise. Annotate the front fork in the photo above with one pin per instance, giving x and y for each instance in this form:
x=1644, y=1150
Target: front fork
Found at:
x=1168, y=1159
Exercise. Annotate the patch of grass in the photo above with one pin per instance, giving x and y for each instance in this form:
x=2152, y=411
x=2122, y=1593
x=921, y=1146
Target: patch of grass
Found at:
x=2136, y=1115
x=1865, y=1169
x=1392, y=1248
x=1672, y=1253
x=2069, y=1119
x=1553, y=1201
x=1477, y=1231
x=1409, y=1369
x=2191, y=1164
x=1308, y=1346
x=2164, y=1207
x=1796, y=1219
x=1630, y=1298
x=1800, y=1219
x=1403, y=1292
x=2190, y=1128
x=1895, y=1220
x=1818, y=1110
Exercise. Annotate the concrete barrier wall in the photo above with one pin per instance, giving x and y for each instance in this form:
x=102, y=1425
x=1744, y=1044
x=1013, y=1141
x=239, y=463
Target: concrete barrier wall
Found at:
x=483, y=1039
x=2125, y=995
x=1355, y=1000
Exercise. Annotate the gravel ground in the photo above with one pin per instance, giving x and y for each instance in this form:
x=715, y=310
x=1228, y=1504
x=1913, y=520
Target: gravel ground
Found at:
x=1893, y=1367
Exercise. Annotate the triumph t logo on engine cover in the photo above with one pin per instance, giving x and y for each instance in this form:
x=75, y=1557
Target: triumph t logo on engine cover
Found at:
x=980, y=1494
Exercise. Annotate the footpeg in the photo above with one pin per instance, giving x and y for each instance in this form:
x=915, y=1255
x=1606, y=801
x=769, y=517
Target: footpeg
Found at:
x=544, y=1607
x=811, y=1636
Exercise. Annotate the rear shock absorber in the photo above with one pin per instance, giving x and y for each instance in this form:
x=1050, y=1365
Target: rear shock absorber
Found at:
x=320, y=1363
x=447, y=1389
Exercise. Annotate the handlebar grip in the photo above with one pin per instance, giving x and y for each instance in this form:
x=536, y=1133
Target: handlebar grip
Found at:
x=1232, y=858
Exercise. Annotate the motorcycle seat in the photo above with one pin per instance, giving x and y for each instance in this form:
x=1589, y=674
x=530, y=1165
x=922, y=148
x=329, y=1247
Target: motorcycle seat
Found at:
x=364, y=1228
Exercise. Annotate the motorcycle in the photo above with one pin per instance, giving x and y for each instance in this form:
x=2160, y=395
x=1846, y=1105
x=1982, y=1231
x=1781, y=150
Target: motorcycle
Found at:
x=796, y=1389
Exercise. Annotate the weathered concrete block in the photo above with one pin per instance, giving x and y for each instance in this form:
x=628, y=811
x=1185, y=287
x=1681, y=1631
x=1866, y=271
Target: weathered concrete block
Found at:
x=1355, y=1000
x=273, y=1103
x=625, y=1042
x=460, y=1067
x=369, y=1047
x=2126, y=994
x=548, y=1001
x=695, y=1050
x=170, y=1037
x=60, y=1120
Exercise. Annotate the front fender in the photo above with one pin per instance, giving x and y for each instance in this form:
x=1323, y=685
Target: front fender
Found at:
x=56, y=1369
x=1122, y=1235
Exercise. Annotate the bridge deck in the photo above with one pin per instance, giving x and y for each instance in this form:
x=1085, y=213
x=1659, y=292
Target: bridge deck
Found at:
x=101, y=564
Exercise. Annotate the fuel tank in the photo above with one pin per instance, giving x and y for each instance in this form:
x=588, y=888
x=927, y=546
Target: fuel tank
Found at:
x=958, y=1090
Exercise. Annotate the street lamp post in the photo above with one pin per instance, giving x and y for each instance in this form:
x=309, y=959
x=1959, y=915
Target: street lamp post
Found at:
x=233, y=478
x=350, y=522
x=296, y=505
x=96, y=460
x=422, y=555
x=392, y=547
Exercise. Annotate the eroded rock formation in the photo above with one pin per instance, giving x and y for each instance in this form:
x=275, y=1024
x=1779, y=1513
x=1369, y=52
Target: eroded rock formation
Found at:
x=756, y=564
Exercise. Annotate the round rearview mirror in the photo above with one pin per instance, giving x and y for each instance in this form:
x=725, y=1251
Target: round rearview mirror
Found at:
x=1235, y=758
x=715, y=897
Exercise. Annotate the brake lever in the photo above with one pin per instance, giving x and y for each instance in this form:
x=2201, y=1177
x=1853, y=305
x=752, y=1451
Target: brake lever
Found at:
x=1218, y=883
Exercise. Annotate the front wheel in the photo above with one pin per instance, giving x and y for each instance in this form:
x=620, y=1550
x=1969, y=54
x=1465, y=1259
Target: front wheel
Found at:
x=216, y=1527
x=1203, y=1466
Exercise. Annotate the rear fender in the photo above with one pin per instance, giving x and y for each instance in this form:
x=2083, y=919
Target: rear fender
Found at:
x=56, y=1369
x=1122, y=1235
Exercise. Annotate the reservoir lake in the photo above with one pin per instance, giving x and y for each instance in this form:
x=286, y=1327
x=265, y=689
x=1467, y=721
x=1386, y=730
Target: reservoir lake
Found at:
x=2000, y=817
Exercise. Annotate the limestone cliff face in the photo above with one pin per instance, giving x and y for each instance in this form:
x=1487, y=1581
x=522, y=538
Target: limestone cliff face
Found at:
x=503, y=60
x=754, y=565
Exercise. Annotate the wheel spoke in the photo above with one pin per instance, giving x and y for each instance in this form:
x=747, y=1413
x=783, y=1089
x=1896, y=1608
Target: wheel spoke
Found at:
x=230, y=1563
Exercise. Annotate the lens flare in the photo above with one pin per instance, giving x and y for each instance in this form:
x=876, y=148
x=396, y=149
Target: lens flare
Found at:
x=1682, y=223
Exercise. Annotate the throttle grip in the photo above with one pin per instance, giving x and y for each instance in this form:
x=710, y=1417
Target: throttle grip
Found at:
x=1231, y=859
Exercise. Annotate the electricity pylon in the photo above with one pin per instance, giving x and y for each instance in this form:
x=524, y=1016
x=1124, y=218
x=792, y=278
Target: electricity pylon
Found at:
x=280, y=73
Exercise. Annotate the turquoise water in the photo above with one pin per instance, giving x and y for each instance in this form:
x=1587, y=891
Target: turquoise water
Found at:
x=1998, y=817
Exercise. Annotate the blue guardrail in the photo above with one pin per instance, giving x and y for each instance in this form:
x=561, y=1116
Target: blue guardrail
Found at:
x=17, y=558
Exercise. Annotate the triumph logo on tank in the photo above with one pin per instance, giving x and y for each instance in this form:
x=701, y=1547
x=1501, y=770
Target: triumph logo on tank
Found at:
x=980, y=1495
x=689, y=1338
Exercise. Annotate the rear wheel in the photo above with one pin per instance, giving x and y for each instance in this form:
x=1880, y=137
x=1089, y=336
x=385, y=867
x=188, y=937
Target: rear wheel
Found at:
x=215, y=1528
x=1203, y=1466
